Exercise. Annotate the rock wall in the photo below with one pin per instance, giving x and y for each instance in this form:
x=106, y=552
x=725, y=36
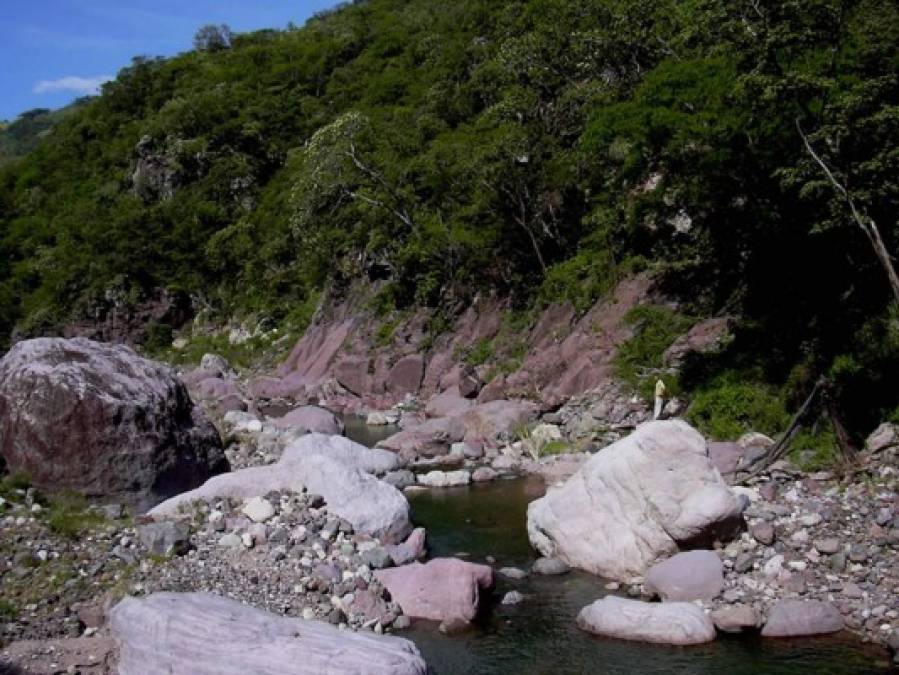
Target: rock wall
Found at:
x=344, y=361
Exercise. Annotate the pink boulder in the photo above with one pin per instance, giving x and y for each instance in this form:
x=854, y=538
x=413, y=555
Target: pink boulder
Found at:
x=213, y=388
x=444, y=589
x=448, y=404
x=497, y=418
x=795, y=618
x=410, y=550
x=406, y=375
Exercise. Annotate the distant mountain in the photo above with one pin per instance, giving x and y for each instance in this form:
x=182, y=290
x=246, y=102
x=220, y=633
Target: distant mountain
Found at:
x=22, y=135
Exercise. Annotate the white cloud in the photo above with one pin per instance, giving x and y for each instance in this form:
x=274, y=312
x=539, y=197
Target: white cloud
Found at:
x=79, y=85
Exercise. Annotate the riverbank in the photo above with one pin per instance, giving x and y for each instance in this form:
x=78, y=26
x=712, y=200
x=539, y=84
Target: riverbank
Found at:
x=306, y=523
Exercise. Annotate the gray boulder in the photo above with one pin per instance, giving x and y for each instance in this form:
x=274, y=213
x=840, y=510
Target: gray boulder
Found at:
x=672, y=623
x=736, y=618
x=637, y=501
x=336, y=470
x=165, y=537
x=694, y=575
x=101, y=420
x=311, y=418
x=343, y=450
x=203, y=634
x=795, y=618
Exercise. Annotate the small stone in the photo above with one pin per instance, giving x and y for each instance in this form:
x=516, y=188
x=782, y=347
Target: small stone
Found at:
x=827, y=546
x=258, y=509
x=165, y=537
x=513, y=573
x=811, y=519
x=763, y=533
x=744, y=562
x=512, y=598
x=247, y=540
x=376, y=558
x=453, y=626
x=402, y=622
x=858, y=553
x=549, y=566
x=230, y=541
x=736, y=619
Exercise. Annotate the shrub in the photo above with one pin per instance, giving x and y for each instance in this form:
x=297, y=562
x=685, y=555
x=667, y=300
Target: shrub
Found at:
x=8, y=611
x=69, y=515
x=639, y=359
x=730, y=407
x=813, y=450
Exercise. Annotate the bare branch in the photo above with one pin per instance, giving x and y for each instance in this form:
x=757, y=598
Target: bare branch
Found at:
x=865, y=222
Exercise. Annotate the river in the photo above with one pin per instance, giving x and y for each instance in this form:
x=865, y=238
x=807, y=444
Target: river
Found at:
x=540, y=636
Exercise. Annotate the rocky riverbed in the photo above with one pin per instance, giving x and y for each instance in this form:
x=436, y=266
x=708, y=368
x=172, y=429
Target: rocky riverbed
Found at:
x=310, y=525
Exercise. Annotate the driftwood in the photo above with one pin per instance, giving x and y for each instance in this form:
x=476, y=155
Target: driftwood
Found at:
x=779, y=449
x=823, y=391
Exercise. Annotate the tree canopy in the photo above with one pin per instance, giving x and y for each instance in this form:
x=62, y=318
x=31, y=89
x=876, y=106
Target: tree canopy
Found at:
x=538, y=148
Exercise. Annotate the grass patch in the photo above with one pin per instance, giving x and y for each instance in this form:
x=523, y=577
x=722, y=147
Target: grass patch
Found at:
x=555, y=448
x=240, y=356
x=8, y=611
x=479, y=353
x=814, y=450
x=11, y=484
x=69, y=515
x=732, y=405
x=386, y=331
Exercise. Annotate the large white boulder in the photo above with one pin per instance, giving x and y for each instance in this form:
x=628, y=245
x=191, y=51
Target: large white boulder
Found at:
x=331, y=466
x=635, y=502
x=347, y=452
x=203, y=634
x=671, y=623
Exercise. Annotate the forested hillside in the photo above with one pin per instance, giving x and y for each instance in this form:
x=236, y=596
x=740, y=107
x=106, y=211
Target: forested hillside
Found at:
x=21, y=136
x=543, y=149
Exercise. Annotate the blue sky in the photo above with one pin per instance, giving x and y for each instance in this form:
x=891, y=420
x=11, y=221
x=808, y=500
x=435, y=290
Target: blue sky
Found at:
x=53, y=51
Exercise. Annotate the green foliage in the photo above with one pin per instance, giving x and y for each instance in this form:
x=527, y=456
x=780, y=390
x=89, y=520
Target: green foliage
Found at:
x=386, y=330
x=8, y=611
x=814, y=450
x=639, y=359
x=736, y=403
x=69, y=515
x=240, y=355
x=159, y=337
x=479, y=353
x=538, y=149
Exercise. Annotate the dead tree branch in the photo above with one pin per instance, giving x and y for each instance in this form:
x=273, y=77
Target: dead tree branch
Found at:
x=862, y=219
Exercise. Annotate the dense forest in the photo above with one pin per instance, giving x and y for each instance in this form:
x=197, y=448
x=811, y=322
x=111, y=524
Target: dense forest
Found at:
x=543, y=149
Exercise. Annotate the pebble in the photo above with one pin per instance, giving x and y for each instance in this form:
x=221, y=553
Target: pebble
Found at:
x=512, y=598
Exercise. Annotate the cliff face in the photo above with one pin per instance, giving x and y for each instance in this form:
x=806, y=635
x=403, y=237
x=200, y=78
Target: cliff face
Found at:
x=350, y=360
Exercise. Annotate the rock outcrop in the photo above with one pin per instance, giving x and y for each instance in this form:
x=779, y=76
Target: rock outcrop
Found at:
x=99, y=419
x=331, y=466
x=444, y=589
x=203, y=634
x=635, y=502
x=672, y=623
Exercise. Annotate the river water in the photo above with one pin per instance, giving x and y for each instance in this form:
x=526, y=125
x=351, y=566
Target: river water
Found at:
x=540, y=636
